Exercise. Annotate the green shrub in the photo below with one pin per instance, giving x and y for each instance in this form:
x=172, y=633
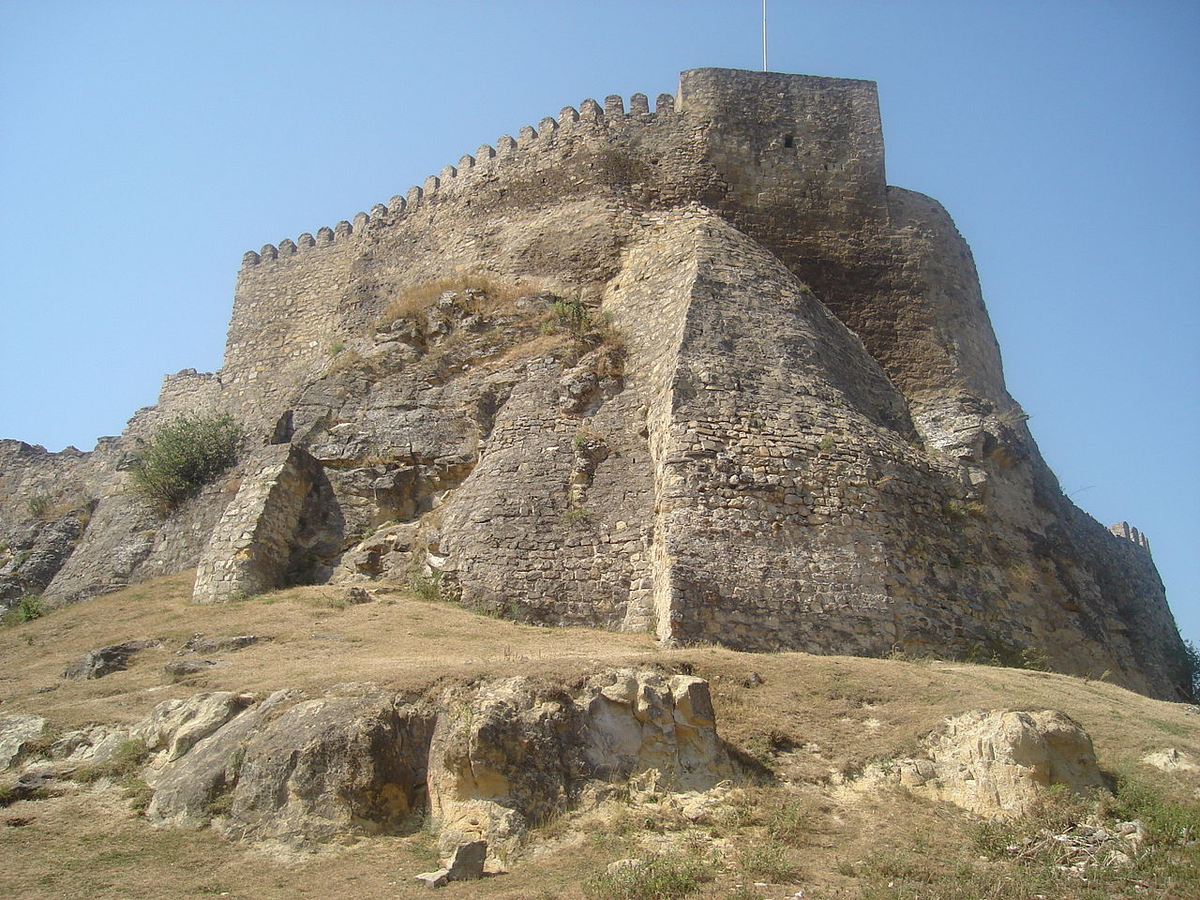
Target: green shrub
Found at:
x=28, y=608
x=184, y=455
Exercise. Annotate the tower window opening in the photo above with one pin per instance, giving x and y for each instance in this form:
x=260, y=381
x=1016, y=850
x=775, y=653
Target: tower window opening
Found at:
x=789, y=140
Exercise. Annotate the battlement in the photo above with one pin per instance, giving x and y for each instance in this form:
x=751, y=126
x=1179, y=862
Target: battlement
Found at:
x=1131, y=534
x=590, y=114
x=818, y=136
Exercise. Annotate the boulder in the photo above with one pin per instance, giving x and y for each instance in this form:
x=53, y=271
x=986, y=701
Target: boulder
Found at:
x=175, y=726
x=179, y=669
x=437, y=879
x=15, y=734
x=491, y=759
x=203, y=646
x=637, y=721
x=28, y=786
x=498, y=760
x=509, y=755
x=89, y=745
x=186, y=788
x=1171, y=760
x=105, y=660
x=466, y=862
x=343, y=763
x=997, y=762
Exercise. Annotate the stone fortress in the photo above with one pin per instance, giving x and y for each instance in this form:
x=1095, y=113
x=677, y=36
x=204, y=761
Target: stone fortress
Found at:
x=788, y=428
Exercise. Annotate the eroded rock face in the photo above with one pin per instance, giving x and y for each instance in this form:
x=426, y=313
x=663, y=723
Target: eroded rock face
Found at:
x=187, y=789
x=331, y=765
x=640, y=721
x=15, y=733
x=176, y=726
x=514, y=756
x=997, y=762
x=486, y=761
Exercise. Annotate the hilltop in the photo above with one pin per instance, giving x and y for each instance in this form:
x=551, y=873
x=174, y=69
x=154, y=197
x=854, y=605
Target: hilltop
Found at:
x=804, y=730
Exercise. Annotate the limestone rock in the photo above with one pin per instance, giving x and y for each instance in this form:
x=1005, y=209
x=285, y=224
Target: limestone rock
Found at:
x=498, y=760
x=29, y=785
x=997, y=762
x=178, y=669
x=1171, y=760
x=37, y=553
x=175, y=726
x=186, y=788
x=437, y=879
x=204, y=646
x=643, y=721
x=466, y=862
x=15, y=734
x=105, y=660
x=333, y=765
x=515, y=756
x=89, y=745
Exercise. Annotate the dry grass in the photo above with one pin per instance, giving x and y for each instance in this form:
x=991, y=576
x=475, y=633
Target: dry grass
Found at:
x=489, y=294
x=801, y=725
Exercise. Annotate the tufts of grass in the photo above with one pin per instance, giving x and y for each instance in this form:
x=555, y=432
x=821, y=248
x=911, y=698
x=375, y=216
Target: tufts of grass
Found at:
x=577, y=517
x=477, y=293
x=768, y=860
x=123, y=764
x=668, y=877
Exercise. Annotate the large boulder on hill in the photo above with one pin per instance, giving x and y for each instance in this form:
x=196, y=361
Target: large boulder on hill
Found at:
x=188, y=789
x=338, y=764
x=515, y=755
x=105, y=660
x=175, y=726
x=998, y=762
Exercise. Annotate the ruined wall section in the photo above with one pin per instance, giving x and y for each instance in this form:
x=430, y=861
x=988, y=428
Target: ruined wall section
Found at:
x=792, y=511
x=251, y=544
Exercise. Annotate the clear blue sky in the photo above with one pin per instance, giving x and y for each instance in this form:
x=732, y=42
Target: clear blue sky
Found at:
x=145, y=146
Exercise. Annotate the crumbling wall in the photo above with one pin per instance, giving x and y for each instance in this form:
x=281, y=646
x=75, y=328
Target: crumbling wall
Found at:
x=251, y=546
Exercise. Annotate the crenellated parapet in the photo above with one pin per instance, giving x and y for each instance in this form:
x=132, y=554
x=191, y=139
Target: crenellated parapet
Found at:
x=777, y=155
x=1128, y=532
x=590, y=115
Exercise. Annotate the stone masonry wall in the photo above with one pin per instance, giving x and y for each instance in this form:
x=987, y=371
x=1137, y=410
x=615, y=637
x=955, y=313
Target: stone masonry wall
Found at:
x=250, y=546
x=809, y=445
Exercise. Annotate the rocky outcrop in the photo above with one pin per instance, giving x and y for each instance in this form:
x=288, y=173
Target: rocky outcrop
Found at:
x=999, y=762
x=16, y=733
x=484, y=762
x=516, y=755
x=106, y=660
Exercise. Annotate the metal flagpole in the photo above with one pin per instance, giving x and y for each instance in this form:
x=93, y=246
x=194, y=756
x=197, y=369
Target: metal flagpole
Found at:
x=764, y=17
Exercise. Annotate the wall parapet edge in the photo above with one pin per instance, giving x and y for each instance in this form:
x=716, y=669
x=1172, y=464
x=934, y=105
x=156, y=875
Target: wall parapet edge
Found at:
x=1128, y=532
x=529, y=138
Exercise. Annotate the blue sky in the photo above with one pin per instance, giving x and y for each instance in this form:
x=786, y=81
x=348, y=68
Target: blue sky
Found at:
x=146, y=146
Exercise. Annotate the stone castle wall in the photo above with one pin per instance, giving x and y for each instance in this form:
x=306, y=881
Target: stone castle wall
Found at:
x=810, y=444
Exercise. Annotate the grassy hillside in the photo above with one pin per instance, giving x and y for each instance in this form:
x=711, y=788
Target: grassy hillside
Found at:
x=801, y=726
